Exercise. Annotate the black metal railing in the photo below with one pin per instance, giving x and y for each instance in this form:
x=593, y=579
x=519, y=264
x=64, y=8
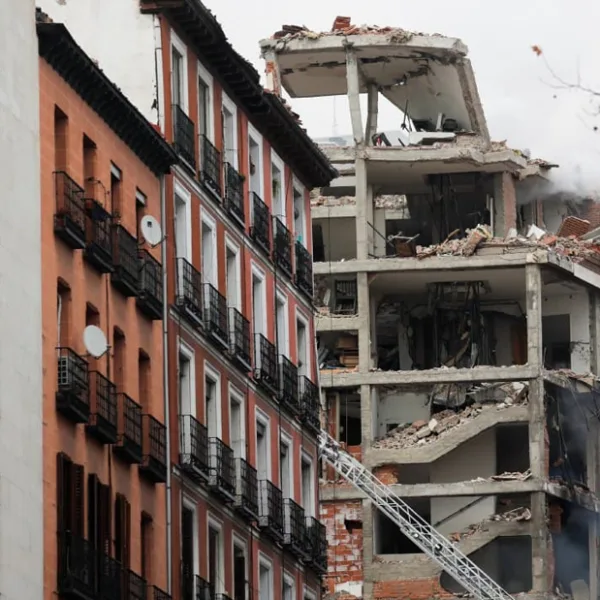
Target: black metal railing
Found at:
x=234, y=194
x=154, y=447
x=69, y=218
x=260, y=231
x=222, y=597
x=204, y=589
x=130, y=442
x=222, y=467
x=215, y=314
x=158, y=594
x=126, y=274
x=283, y=247
x=271, y=509
x=183, y=136
x=210, y=165
x=304, y=270
x=247, y=489
x=73, y=388
x=316, y=541
x=309, y=404
x=189, y=291
x=265, y=362
x=150, y=293
x=288, y=384
x=76, y=567
x=103, y=423
x=98, y=249
x=239, y=340
x=188, y=586
x=134, y=586
x=295, y=526
x=110, y=578
x=193, y=447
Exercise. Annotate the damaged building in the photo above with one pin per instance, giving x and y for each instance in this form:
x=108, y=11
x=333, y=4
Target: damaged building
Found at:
x=458, y=299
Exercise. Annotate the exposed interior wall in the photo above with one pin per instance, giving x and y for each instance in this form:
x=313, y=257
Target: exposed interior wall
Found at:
x=334, y=239
x=396, y=408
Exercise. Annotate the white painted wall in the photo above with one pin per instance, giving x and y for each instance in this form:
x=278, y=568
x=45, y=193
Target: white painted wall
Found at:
x=121, y=39
x=339, y=238
x=401, y=408
x=476, y=458
x=21, y=474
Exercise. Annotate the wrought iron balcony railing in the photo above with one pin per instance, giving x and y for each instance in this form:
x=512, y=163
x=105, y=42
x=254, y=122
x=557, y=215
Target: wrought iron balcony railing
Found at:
x=210, y=166
x=304, y=270
x=204, y=589
x=260, y=231
x=158, y=594
x=134, y=586
x=98, y=250
x=126, y=274
x=154, y=447
x=150, y=294
x=76, y=567
x=215, y=315
x=193, y=448
x=183, y=136
x=309, y=404
x=265, y=363
x=189, y=291
x=239, y=339
x=295, y=528
x=222, y=469
x=316, y=541
x=234, y=195
x=283, y=247
x=271, y=509
x=246, y=500
x=69, y=218
x=73, y=386
x=129, y=446
x=110, y=578
x=103, y=421
x=288, y=385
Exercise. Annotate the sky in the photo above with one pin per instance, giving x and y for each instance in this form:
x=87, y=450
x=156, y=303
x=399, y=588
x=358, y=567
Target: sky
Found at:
x=517, y=89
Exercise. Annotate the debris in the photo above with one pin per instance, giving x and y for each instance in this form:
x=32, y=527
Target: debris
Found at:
x=510, y=476
x=573, y=226
x=476, y=236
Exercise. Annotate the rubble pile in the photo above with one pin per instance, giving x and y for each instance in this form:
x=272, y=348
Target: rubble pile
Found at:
x=419, y=433
x=516, y=515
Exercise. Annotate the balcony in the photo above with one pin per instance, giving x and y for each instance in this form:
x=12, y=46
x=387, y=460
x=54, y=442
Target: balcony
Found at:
x=193, y=449
x=283, y=247
x=103, y=405
x=309, y=404
x=304, y=270
x=246, y=499
x=129, y=446
x=239, y=339
x=183, y=136
x=126, y=274
x=157, y=594
x=98, y=247
x=271, y=510
x=210, y=166
x=265, y=363
x=295, y=528
x=69, y=218
x=134, y=586
x=76, y=567
x=204, y=590
x=150, y=292
x=222, y=469
x=316, y=541
x=288, y=385
x=154, y=448
x=110, y=578
x=72, y=390
x=189, y=292
x=260, y=230
x=222, y=597
x=234, y=195
x=215, y=315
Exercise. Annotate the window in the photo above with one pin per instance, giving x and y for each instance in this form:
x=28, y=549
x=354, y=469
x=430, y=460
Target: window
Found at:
x=237, y=432
x=234, y=299
x=213, y=401
x=215, y=557
x=99, y=529
x=183, y=223
x=187, y=396
x=189, y=550
x=116, y=190
x=141, y=203
x=63, y=314
x=278, y=193
x=209, y=251
x=146, y=542
x=229, y=114
x=61, y=140
x=122, y=530
x=299, y=216
x=144, y=381
x=92, y=317
x=287, y=473
x=177, y=74
x=265, y=580
x=258, y=303
x=205, y=103
x=308, y=486
x=118, y=372
x=281, y=320
x=239, y=571
x=255, y=162
x=302, y=351
x=69, y=498
x=263, y=465
x=89, y=168
x=288, y=587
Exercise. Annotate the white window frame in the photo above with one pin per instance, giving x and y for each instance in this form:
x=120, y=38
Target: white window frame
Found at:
x=276, y=160
x=265, y=561
x=286, y=440
x=298, y=187
x=213, y=523
x=262, y=418
x=311, y=510
x=308, y=593
x=282, y=297
x=238, y=397
x=235, y=249
x=207, y=219
x=181, y=49
x=258, y=140
x=188, y=503
x=231, y=108
x=238, y=542
x=181, y=192
x=213, y=374
x=190, y=355
x=289, y=579
x=259, y=274
x=208, y=81
x=308, y=359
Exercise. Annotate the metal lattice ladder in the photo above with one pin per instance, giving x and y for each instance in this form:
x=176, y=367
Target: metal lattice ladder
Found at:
x=411, y=524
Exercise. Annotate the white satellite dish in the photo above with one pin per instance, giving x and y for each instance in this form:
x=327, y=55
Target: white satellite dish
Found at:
x=94, y=341
x=151, y=230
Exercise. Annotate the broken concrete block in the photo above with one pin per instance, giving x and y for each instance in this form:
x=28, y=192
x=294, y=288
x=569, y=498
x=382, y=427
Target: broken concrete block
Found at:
x=424, y=432
x=433, y=425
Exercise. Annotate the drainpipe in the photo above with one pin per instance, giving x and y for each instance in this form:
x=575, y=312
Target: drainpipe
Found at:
x=165, y=334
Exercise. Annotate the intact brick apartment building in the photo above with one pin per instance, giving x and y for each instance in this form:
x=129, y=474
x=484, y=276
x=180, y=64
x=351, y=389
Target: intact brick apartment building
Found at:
x=235, y=511
x=458, y=346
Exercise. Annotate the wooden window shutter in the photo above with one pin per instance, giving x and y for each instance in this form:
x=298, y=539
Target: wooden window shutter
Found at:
x=63, y=486
x=187, y=543
x=127, y=537
x=93, y=510
x=122, y=530
x=78, y=494
x=104, y=524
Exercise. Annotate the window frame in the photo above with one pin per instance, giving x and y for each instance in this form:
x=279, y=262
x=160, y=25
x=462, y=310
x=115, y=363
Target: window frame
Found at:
x=185, y=196
x=308, y=358
x=262, y=418
x=188, y=503
x=258, y=140
x=236, y=396
x=214, y=375
x=213, y=523
x=285, y=439
x=210, y=221
x=277, y=162
x=178, y=45
x=230, y=106
x=207, y=79
x=189, y=354
x=267, y=563
x=306, y=458
x=258, y=273
x=281, y=297
x=236, y=250
x=299, y=188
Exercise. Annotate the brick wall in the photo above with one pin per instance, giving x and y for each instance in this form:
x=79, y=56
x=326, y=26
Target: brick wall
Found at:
x=410, y=589
x=509, y=199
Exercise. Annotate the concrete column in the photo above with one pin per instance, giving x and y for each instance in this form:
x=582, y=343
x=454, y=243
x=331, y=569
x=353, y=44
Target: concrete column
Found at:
x=273, y=75
x=362, y=210
x=353, y=83
x=505, y=204
x=594, y=301
x=368, y=411
x=540, y=544
x=533, y=290
x=372, y=113
x=364, y=331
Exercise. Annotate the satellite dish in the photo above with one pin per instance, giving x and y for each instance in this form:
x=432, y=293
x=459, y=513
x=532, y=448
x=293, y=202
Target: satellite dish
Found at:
x=151, y=230
x=94, y=341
